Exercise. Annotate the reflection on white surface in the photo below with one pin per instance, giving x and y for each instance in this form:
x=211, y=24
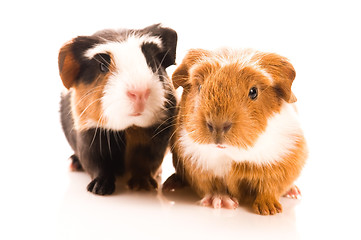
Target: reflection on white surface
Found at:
x=156, y=215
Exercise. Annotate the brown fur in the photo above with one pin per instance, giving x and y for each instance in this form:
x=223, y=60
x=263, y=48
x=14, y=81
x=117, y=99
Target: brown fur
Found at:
x=68, y=66
x=87, y=100
x=223, y=97
x=87, y=104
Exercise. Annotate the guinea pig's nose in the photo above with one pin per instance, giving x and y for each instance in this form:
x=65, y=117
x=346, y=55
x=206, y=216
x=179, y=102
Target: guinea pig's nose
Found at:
x=138, y=95
x=223, y=127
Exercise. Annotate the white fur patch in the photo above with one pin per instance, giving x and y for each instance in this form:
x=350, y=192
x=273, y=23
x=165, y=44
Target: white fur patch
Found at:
x=243, y=57
x=132, y=73
x=110, y=46
x=279, y=138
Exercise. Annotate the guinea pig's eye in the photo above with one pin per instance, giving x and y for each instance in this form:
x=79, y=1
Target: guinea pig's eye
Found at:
x=253, y=93
x=103, y=68
x=199, y=87
x=104, y=61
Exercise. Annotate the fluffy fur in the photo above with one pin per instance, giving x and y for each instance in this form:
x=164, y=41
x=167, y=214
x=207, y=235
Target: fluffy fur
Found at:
x=120, y=104
x=229, y=144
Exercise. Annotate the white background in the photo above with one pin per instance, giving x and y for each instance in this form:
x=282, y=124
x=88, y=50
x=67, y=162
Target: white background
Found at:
x=41, y=198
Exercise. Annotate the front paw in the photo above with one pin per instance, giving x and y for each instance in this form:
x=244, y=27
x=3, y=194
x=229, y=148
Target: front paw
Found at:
x=172, y=183
x=294, y=193
x=102, y=185
x=75, y=164
x=264, y=205
x=142, y=183
x=219, y=201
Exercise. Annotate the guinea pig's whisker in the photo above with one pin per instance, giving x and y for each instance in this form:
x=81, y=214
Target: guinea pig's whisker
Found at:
x=102, y=59
x=163, y=130
x=80, y=102
x=116, y=136
x=161, y=62
x=101, y=118
x=163, y=76
x=94, y=90
x=96, y=129
x=102, y=62
x=95, y=133
x=96, y=100
x=108, y=139
x=168, y=91
x=165, y=121
x=82, y=98
x=169, y=108
x=167, y=101
x=168, y=120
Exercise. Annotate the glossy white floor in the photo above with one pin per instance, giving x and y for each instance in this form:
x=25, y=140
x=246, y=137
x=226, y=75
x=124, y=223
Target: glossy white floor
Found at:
x=42, y=199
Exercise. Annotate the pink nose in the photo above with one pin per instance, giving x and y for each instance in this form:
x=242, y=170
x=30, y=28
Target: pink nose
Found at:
x=139, y=98
x=138, y=95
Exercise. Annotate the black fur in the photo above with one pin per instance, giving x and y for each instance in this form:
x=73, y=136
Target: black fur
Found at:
x=146, y=159
x=167, y=55
x=150, y=51
x=102, y=152
x=280, y=92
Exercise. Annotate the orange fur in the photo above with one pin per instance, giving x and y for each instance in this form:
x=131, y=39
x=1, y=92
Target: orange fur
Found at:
x=181, y=74
x=251, y=182
x=216, y=86
x=87, y=103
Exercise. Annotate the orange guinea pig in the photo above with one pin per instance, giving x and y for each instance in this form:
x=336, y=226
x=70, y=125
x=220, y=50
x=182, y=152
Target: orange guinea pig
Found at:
x=237, y=135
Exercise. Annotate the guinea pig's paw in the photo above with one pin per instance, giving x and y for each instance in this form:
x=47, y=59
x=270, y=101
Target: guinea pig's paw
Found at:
x=172, y=183
x=266, y=206
x=294, y=193
x=142, y=183
x=219, y=201
x=102, y=185
x=75, y=164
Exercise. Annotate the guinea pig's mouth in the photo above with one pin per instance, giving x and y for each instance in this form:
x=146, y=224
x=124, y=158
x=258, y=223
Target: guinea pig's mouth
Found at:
x=221, y=146
x=135, y=114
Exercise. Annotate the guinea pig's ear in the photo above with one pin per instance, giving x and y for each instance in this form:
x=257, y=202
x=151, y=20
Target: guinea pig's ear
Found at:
x=169, y=38
x=282, y=73
x=181, y=75
x=68, y=65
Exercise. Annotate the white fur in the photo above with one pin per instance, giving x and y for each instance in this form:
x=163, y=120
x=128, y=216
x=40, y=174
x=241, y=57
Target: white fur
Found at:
x=243, y=58
x=279, y=138
x=132, y=73
x=110, y=46
x=264, y=73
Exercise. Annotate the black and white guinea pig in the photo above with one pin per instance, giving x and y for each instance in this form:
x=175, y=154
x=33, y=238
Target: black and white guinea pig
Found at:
x=117, y=113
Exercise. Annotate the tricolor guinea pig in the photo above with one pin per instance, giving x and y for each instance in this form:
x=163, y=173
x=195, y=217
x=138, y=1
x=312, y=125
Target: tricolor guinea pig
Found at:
x=118, y=110
x=237, y=136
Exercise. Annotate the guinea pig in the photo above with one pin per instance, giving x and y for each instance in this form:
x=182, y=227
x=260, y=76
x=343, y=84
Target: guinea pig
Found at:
x=119, y=106
x=237, y=137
